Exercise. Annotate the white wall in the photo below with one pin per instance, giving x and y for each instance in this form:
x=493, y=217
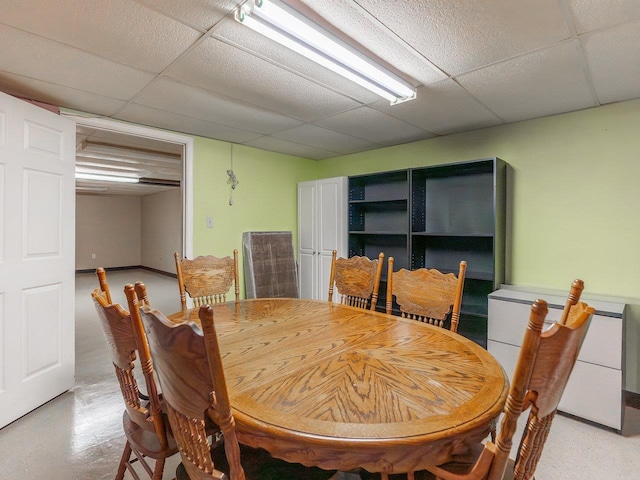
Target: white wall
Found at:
x=161, y=229
x=126, y=231
x=109, y=227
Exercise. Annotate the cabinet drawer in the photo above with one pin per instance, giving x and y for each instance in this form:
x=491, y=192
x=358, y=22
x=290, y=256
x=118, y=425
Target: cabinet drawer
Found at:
x=602, y=345
x=593, y=392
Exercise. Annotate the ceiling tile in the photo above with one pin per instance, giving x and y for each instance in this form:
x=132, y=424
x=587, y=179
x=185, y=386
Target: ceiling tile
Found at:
x=200, y=14
x=188, y=66
x=120, y=30
x=356, y=23
x=319, y=137
x=180, y=123
x=221, y=68
x=375, y=126
x=278, y=145
x=614, y=59
x=459, y=35
x=172, y=96
x=589, y=15
x=35, y=57
x=442, y=108
x=539, y=84
x=58, y=95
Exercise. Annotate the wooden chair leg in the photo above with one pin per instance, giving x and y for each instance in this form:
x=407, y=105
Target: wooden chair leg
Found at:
x=124, y=461
x=143, y=463
x=158, y=469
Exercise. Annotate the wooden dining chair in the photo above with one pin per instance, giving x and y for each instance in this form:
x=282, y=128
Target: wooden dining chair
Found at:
x=145, y=428
x=426, y=294
x=189, y=366
x=357, y=280
x=207, y=279
x=104, y=285
x=545, y=362
x=141, y=294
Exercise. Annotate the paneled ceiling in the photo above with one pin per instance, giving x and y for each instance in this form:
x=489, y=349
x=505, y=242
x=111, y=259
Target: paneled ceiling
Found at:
x=157, y=165
x=188, y=66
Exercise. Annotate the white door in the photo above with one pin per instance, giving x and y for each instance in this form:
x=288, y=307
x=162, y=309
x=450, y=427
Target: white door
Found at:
x=37, y=241
x=322, y=227
x=307, y=240
x=332, y=229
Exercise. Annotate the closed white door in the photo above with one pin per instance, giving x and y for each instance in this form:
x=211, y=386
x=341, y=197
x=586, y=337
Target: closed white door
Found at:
x=307, y=240
x=332, y=228
x=322, y=228
x=37, y=242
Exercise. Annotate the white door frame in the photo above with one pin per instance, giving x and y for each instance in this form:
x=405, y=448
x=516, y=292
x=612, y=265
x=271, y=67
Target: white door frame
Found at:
x=187, y=174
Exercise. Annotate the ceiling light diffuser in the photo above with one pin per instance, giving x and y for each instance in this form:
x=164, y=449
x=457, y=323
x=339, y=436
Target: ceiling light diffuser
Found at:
x=284, y=25
x=105, y=178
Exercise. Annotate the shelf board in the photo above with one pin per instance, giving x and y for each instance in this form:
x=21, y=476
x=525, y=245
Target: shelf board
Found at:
x=383, y=203
x=354, y=232
x=473, y=313
x=478, y=276
x=450, y=234
x=474, y=308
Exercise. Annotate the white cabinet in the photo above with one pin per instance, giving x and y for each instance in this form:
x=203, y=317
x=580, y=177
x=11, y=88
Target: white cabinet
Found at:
x=322, y=228
x=595, y=388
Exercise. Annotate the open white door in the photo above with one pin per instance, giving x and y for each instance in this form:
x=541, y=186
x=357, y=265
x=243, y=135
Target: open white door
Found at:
x=37, y=242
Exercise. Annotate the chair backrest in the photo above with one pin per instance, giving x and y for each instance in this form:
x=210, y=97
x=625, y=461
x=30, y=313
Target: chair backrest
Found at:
x=542, y=372
x=208, y=279
x=124, y=342
x=189, y=366
x=104, y=285
x=426, y=294
x=357, y=280
x=572, y=299
x=141, y=294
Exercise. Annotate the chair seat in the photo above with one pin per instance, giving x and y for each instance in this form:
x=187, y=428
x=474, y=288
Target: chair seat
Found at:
x=146, y=441
x=258, y=464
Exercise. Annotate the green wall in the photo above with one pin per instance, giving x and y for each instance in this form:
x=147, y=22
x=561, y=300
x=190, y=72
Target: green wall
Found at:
x=574, y=192
x=265, y=199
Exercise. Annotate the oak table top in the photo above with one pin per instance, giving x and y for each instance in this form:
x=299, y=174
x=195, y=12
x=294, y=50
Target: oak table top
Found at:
x=340, y=388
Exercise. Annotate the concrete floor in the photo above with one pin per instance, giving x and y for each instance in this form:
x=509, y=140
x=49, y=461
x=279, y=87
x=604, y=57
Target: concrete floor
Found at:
x=78, y=435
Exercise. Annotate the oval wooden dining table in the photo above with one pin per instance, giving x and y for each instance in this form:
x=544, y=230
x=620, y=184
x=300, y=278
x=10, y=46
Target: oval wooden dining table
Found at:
x=341, y=388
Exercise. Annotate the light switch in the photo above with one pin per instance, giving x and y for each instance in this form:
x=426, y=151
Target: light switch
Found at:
x=209, y=222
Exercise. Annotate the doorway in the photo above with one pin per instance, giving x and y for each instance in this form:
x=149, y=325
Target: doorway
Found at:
x=106, y=137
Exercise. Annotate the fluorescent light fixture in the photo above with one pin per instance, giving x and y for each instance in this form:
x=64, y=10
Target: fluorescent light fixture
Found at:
x=105, y=178
x=99, y=151
x=287, y=27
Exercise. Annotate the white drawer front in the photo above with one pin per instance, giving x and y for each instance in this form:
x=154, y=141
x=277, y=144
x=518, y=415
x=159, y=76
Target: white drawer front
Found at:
x=602, y=345
x=507, y=356
x=593, y=392
x=507, y=321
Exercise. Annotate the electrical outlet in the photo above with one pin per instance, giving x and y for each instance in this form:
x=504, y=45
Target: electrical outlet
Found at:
x=209, y=222
x=93, y=256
